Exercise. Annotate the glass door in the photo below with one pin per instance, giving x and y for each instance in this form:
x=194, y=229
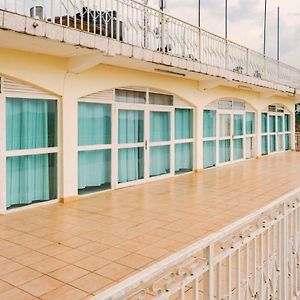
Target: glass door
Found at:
x=238, y=136
x=272, y=133
x=280, y=133
x=131, y=145
x=160, y=147
x=225, y=137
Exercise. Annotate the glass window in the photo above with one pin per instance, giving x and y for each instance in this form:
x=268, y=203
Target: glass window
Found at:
x=128, y=96
x=30, y=179
x=239, y=105
x=160, y=99
x=160, y=126
x=272, y=123
x=250, y=147
x=224, y=125
x=209, y=154
x=264, y=145
x=287, y=122
x=225, y=104
x=272, y=143
x=224, y=151
x=131, y=126
x=159, y=160
x=183, y=123
x=183, y=158
x=94, y=124
x=238, y=149
x=209, y=123
x=264, y=122
x=30, y=123
x=280, y=123
x=94, y=171
x=238, y=122
x=287, y=142
x=250, y=122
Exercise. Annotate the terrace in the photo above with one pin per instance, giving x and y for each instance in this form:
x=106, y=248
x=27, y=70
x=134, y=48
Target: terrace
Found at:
x=79, y=249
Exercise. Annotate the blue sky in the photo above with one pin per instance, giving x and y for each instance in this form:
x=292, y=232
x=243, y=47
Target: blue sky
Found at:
x=246, y=22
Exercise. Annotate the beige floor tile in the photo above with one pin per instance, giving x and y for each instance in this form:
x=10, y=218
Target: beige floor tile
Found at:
x=91, y=283
x=68, y=273
x=16, y=294
x=21, y=276
x=71, y=256
x=4, y=286
x=92, y=263
x=93, y=247
x=75, y=242
x=14, y=251
x=41, y=286
x=8, y=266
x=153, y=252
x=54, y=249
x=115, y=271
x=113, y=253
x=134, y=261
x=48, y=265
x=65, y=292
x=30, y=258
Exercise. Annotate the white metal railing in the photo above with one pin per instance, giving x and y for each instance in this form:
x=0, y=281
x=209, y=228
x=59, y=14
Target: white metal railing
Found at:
x=255, y=258
x=297, y=141
x=137, y=24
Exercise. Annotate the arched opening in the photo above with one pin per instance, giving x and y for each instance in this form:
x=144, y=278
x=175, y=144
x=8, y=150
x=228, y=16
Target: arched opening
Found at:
x=276, y=129
x=131, y=135
x=229, y=127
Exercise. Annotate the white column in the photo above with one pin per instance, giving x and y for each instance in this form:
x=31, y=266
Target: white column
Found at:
x=258, y=134
x=68, y=142
x=199, y=138
x=2, y=154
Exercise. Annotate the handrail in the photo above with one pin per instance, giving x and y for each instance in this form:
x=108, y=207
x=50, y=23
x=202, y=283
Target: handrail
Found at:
x=140, y=25
x=272, y=221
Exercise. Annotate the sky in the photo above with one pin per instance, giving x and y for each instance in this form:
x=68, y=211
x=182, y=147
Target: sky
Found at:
x=245, y=23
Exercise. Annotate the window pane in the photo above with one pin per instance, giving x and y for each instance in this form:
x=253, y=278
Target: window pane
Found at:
x=160, y=99
x=287, y=122
x=30, y=123
x=250, y=122
x=238, y=149
x=264, y=122
x=280, y=140
x=131, y=126
x=224, y=151
x=183, y=123
x=238, y=125
x=287, y=142
x=264, y=145
x=225, y=104
x=183, y=158
x=250, y=147
x=128, y=96
x=159, y=160
x=160, y=126
x=94, y=171
x=209, y=154
x=209, y=123
x=94, y=124
x=30, y=179
x=239, y=105
x=272, y=143
x=272, y=123
x=280, y=123
x=224, y=126
x=131, y=164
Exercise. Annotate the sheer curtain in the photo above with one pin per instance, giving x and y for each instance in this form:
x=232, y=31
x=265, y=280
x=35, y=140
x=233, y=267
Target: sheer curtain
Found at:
x=209, y=123
x=209, y=154
x=238, y=149
x=250, y=122
x=160, y=126
x=224, y=125
x=183, y=124
x=30, y=124
x=238, y=125
x=224, y=151
x=159, y=160
x=264, y=122
x=183, y=157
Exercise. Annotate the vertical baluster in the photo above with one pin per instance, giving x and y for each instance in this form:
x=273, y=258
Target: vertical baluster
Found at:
x=181, y=294
x=294, y=253
x=262, y=254
x=60, y=12
x=112, y=19
x=196, y=289
x=68, y=13
x=268, y=256
x=246, y=267
x=209, y=276
x=219, y=281
x=118, y=20
x=238, y=274
x=100, y=17
x=228, y=277
x=94, y=17
x=284, y=254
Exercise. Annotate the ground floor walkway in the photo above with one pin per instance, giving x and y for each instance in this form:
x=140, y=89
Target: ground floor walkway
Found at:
x=74, y=250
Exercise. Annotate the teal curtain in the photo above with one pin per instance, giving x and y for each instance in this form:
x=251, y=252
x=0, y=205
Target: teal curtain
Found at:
x=94, y=123
x=183, y=158
x=224, y=151
x=272, y=123
x=224, y=125
x=183, y=123
x=250, y=122
x=30, y=123
x=31, y=178
x=287, y=142
x=131, y=126
x=94, y=170
x=280, y=123
x=272, y=139
x=238, y=122
x=264, y=145
x=159, y=126
x=287, y=122
x=159, y=160
x=209, y=154
x=130, y=164
x=209, y=123
x=238, y=149
x=264, y=122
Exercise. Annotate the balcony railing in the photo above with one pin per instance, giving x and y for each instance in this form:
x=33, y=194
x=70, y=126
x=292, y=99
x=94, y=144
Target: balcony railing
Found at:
x=134, y=23
x=297, y=141
x=255, y=258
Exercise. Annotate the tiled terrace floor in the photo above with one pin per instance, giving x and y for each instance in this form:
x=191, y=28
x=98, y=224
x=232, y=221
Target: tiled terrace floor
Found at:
x=74, y=250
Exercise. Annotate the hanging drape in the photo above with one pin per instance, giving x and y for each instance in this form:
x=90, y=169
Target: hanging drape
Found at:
x=160, y=126
x=224, y=151
x=264, y=145
x=238, y=149
x=209, y=123
x=238, y=125
x=94, y=124
x=280, y=123
x=224, y=124
x=287, y=142
x=250, y=122
x=94, y=168
x=264, y=122
x=272, y=143
x=209, y=154
x=272, y=123
x=184, y=157
x=159, y=160
x=130, y=164
x=183, y=124
x=287, y=122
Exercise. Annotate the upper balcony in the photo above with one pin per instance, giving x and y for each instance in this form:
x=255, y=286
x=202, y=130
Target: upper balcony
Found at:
x=138, y=31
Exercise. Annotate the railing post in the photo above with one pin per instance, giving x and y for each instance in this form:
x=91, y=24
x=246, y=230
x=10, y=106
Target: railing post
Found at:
x=247, y=61
x=226, y=55
x=163, y=33
x=209, y=276
x=283, y=253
